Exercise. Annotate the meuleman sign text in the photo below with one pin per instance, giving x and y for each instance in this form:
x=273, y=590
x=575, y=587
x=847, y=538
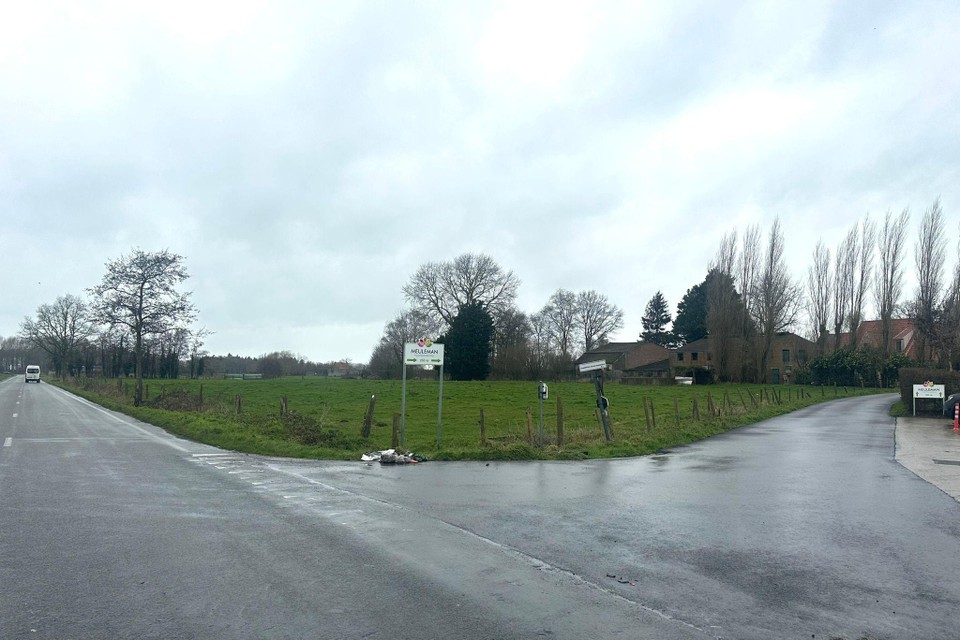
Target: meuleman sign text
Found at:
x=413, y=353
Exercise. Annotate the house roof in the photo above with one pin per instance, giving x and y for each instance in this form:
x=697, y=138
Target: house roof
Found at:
x=870, y=332
x=627, y=355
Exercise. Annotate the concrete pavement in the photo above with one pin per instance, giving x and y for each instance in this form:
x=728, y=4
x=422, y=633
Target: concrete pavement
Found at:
x=930, y=448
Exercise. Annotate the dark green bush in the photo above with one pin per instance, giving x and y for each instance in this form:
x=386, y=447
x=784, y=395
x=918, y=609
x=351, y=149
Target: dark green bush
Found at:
x=918, y=375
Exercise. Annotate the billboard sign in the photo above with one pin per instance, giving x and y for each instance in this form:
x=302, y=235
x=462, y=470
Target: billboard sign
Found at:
x=425, y=351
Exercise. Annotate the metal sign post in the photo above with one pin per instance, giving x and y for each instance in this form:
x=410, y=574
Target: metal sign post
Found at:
x=423, y=352
x=927, y=390
x=602, y=404
x=542, y=394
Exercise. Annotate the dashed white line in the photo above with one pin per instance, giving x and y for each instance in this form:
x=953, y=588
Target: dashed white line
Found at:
x=15, y=415
x=8, y=442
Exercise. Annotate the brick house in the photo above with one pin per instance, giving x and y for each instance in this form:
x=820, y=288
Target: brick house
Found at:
x=644, y=359
x=787, y=352
x=870, y=332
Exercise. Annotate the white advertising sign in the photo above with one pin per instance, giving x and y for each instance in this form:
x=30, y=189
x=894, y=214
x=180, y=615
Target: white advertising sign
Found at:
x=423, y=352
x=929, y=391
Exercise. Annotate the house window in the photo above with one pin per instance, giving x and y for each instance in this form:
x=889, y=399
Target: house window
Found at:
x=693, y=356
x=679, y=356
x=786, y=355
x=709, y=356
x=899, y=346
x=802, y=355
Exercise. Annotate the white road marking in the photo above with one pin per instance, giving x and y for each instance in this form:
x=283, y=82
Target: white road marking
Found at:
x=8, y=442
x=15, y=415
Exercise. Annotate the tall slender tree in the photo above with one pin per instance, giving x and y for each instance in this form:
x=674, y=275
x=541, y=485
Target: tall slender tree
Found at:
x=889, y=281
x=819, y=292
x=842, y=275
x=776, y=297
x=864, y=238
x=929, y=255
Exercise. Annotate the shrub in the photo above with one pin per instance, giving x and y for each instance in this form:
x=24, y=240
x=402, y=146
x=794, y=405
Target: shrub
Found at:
x=918, y=375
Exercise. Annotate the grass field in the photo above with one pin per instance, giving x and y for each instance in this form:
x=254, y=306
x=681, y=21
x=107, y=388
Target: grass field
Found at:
x=324, y=416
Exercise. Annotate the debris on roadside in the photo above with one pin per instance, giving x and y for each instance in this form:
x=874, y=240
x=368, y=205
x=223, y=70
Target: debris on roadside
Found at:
x=392, y=456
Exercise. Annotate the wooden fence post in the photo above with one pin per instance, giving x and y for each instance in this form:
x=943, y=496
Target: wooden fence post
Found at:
x=237, y=401
x=646, y=413
x=676, y=409
x=653, y=414
x=483, y=430
x=201, y=396
x=559, y=422
x=367, y=419
x=530, y=425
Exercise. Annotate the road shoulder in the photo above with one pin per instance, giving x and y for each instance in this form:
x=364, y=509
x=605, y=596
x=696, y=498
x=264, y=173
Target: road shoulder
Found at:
x=929, y=448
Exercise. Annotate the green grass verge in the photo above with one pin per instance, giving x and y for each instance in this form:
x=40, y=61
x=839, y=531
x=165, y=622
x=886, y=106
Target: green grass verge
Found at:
x=325, y=416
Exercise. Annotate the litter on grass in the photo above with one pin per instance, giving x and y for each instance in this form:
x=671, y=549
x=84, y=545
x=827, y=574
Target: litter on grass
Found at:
x=391, y=456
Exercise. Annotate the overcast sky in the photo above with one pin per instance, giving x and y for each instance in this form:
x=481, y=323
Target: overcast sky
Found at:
x=307, y=157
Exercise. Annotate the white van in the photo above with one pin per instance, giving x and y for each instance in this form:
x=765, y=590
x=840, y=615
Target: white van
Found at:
x=32, y=374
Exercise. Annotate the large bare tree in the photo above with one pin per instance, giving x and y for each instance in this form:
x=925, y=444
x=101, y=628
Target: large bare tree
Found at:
x=596, y=318
x=929, y=255
x=139, y=294
x=442, y=288
x=59, y=329
x=560, y=316
x=819, y=291
x=776, y=298
x=888, y=289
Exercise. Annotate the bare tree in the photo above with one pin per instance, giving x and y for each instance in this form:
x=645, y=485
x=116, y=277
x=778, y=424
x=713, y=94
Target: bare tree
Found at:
x=596, y=318
x=511, y=344
x=748, y=268
x=442, y=288
x=139, y=294
x=889, y=282
x=948, y=324
x=776, y=297
x=724, y=305
x=541, y=347
x=197, y=352
x=748, y=265
x=929, y=255
x=842, y=276
x=864, y=235
x=59, y=329
x=560, y=314
x=819, y=292
x=408, y=326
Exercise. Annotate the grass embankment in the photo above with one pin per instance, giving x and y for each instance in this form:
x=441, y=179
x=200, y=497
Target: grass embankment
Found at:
x=324, y=416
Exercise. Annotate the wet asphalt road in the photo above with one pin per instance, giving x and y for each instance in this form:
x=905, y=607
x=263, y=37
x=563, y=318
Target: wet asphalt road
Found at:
x=798, y=527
